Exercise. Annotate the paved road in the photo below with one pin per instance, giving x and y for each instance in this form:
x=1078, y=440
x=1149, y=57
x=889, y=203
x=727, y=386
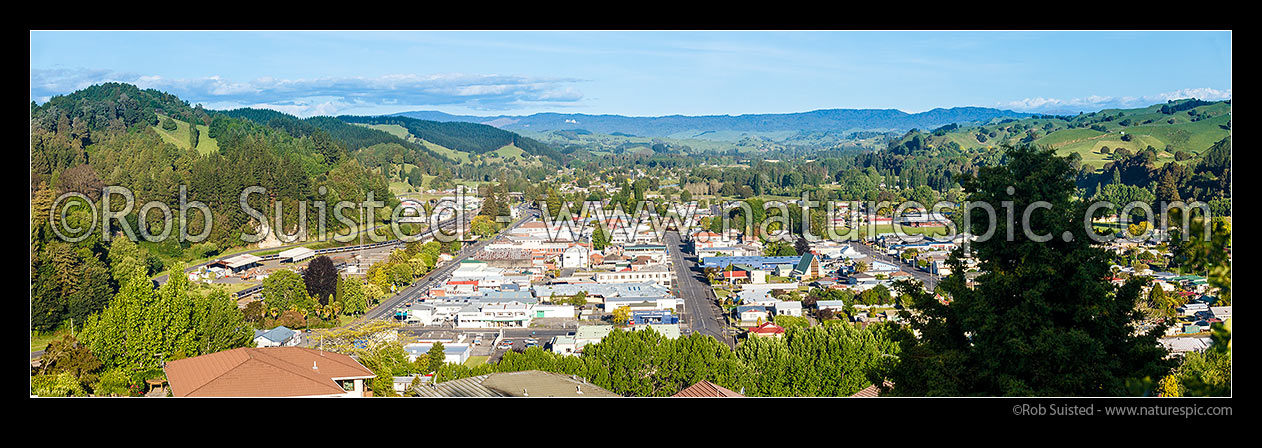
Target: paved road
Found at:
x=701, y=310
x=929, y=280
x=418, y=289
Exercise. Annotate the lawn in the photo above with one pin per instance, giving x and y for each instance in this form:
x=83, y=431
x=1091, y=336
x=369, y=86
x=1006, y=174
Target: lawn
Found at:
x=392, y=129
x=179, y=137
x=40, y=340
x=398, y=188
x=203, y=289
x=475, y=361
x=459, y=156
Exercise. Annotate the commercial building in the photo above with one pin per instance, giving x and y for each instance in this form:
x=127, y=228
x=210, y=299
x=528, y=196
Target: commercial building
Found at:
x=754, y=262
x=659, y=274
x=238, y=263
x=296, y=254
x=452, y=353
x=653, y=317
x=494, y=315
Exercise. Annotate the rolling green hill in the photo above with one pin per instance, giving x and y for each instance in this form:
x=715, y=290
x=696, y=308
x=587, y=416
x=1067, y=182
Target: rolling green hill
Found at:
x=401, y=132
x=1192, y=131
x=471, y=138
x=179, y=137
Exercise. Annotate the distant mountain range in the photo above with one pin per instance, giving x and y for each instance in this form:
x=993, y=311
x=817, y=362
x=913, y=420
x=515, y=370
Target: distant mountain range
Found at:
x=679, y=126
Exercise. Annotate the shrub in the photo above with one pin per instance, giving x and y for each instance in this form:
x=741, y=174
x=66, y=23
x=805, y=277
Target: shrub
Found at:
x=113, y=383
x=63, y=384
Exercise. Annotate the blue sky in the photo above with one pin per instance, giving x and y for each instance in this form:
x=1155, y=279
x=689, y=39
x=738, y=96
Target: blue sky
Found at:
x=641, y=73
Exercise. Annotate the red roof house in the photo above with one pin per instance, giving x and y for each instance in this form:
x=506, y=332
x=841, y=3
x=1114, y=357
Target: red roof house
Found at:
x=268, y=372
x=767, y=329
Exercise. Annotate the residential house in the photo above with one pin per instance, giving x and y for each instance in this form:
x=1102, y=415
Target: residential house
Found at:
x=277, y=337
x=268, y=372
x=767, y=330
x=752, y=314
x=788, y=308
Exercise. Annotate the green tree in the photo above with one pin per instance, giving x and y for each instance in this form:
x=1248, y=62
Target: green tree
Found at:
x=1032, y=325
x=600, y=239
x=1208, y=374
x=143, y=327
x=125, y=260
x=483, y=226
x=436, y=356
x=821, y=361
x=352, y=296
x=285, y=289
x=579, y=299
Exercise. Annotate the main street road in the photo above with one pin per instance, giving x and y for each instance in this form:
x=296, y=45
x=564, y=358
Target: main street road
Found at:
x=702, y=312
x=419, y=288
x=929, y=280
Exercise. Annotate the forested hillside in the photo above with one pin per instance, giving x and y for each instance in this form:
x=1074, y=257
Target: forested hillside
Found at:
x=1165, y=152
x=105, y=135
x=468, y=137
x=348, y=135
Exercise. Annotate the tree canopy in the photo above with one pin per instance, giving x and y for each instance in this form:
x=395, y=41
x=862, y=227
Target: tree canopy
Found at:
x=1043, y=318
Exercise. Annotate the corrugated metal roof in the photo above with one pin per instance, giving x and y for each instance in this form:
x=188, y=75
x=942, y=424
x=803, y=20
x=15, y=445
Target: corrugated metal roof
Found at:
x=464, y=387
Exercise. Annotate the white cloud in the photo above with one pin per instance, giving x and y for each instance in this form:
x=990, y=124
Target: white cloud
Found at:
x=1097, y=102
x=300, y=96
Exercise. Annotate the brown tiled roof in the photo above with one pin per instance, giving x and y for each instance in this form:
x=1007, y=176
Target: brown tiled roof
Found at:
x=706, y=389
x=871, y=391
x=263, y=372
